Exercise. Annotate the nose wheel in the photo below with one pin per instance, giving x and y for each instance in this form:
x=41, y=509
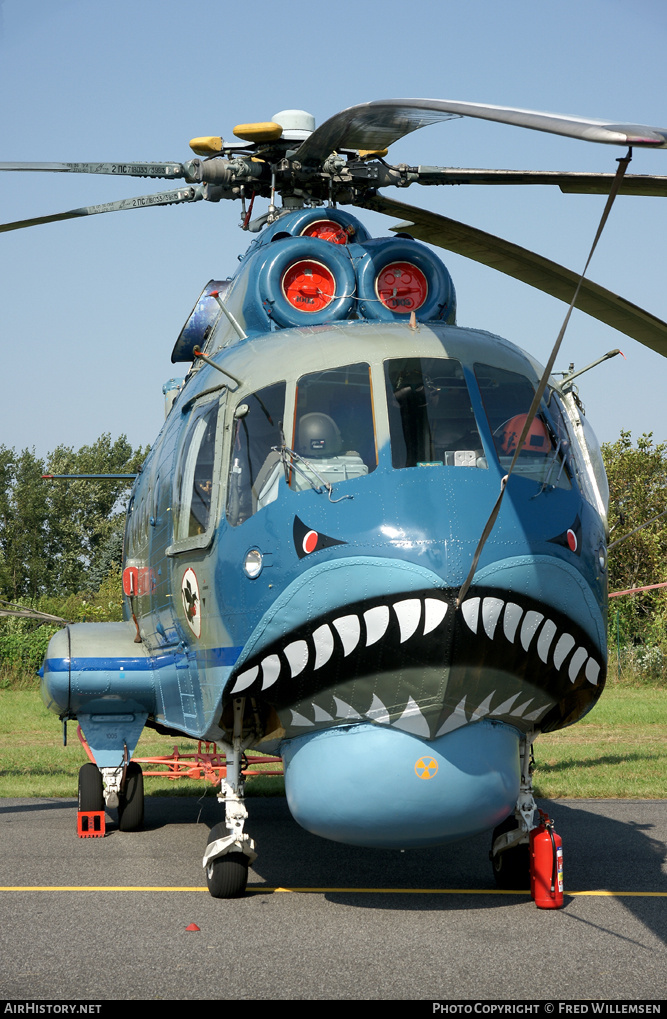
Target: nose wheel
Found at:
x=230, y=850
x=511, y=868
x=510, y=845
x=226, y=876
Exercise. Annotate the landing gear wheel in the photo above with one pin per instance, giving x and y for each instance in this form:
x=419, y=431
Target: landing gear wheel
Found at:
x=91, y=790
x=131, y=802
x=511, y=869
x=226, y=876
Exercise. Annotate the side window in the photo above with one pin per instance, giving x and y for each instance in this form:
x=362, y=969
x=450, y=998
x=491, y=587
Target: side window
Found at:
x=255, y=467
x=128, y=536
x=568, y=446
x=507, y=397
x=333, y=427
x=431, y=420
x=196, y=478
x=587, y=454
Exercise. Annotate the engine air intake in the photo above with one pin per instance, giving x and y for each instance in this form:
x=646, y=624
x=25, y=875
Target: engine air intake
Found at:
x=308, y=285
x=401, y=287
x=328, y=230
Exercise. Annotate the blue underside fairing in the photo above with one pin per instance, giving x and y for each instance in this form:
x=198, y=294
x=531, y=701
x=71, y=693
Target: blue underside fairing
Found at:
x=367, y=785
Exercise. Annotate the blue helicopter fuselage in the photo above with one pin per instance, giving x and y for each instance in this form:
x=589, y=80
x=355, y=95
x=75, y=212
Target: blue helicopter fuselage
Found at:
x=300, y=531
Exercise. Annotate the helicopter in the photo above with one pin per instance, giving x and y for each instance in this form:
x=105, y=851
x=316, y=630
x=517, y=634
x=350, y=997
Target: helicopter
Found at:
x=303, y=572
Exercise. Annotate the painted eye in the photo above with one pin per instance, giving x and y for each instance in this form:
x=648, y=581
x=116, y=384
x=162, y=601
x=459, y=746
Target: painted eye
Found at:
x=309, y=543
x=401, y=287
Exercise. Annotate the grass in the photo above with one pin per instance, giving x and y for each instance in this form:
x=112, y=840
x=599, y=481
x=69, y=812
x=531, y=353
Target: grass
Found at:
x=618, y=751
x=33, y=761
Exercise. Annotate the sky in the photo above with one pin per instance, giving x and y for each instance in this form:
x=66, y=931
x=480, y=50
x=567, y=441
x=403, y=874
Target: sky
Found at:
x=90, y=309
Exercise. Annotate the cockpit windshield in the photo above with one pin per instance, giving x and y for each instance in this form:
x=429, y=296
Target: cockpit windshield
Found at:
x=431, y=419
x=333, y=428
x=507, y=397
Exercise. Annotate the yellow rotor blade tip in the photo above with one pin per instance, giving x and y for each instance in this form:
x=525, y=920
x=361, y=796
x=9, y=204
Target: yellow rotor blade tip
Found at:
x=268, y=131
x=207, y=146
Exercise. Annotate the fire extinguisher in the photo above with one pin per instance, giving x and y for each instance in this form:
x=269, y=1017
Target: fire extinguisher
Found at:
x=546, y=865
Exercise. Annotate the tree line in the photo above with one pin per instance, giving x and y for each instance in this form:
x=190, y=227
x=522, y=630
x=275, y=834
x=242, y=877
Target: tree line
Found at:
x=61, y=541
x=637, y=476
x=62, y=537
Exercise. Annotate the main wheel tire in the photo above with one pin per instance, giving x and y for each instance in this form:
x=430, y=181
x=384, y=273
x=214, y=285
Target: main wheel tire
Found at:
x=511, y=869
x=91, y=790
x=226, y=876
x=131, y=802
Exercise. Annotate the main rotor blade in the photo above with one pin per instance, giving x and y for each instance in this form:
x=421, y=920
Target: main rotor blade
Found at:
x=169, y=170
x=378, y=124
x=189, y=194
x=525, y=265
x=568, y=181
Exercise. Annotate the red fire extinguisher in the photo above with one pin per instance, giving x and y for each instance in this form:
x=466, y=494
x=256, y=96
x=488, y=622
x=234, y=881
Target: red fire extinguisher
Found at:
x=546, y=865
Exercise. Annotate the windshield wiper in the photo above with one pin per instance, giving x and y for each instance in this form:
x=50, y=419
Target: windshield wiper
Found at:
x=291, y=461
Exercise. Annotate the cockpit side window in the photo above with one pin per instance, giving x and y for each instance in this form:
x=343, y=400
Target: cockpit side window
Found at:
x=507, y=397
x=586, y=452
x=431, y=420
x=256, y=467
x=195, y=477
x=334, y=435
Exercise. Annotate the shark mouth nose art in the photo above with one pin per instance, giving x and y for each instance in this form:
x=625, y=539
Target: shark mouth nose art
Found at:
x=420, y=664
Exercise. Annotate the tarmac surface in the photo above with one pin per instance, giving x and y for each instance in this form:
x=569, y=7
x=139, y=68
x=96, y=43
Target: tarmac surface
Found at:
x=105, y=919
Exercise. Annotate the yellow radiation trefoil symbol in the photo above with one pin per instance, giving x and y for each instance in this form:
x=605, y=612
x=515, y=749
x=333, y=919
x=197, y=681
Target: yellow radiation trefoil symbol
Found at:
x=426, y=767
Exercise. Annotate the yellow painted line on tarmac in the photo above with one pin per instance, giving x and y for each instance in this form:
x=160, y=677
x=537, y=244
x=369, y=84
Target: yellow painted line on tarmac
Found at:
x=261, y=889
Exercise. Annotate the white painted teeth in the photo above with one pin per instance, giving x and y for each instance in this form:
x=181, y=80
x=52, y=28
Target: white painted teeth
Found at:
x=505, y=707
x=377, y=711
x=296, y=654
x=563, y=648
x=592, y=671
x=377, y=621
x=490, y=616
x=270, y=671
x=245, y=679
x=408, y=613
x=483, y=708
x=434, y=613
x=345, y=710
x=470, y=610
x=491, y=609
x=548, y=633
x=455, y=720
x=512, y=619
x=324, y=645
x=578, y=659
x=413, y=721
x=349, y=631
x=459, y=717
x=298, y=720
x=528, y=625
x=518, y=712
x=529, y=628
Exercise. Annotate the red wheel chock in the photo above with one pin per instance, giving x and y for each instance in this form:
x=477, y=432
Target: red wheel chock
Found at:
x=90, y=824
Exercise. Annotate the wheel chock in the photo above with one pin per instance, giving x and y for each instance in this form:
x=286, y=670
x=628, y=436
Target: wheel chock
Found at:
x=91, y=824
